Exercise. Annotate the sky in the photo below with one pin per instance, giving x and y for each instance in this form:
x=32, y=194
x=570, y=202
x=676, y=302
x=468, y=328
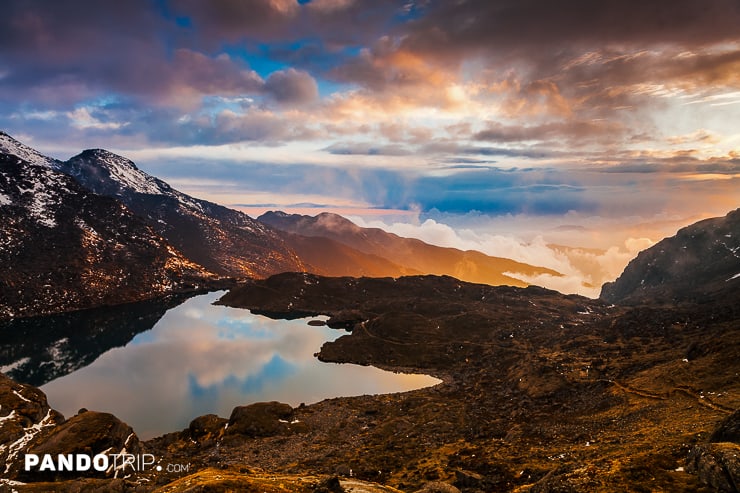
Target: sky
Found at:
x=502, y=125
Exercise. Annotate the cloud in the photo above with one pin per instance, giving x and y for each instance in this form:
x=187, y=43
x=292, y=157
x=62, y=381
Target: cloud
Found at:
x=506, y=27
x=363, y=148
x=236, y=19
x=576, y=132
x=292, y=86
x=584, y=270
x=334, y=22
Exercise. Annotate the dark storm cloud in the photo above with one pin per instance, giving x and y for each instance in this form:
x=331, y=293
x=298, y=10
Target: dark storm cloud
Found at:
x=292, y=86
x=222, y=20
x=502, y=26
x=335, y=22
x=55, y=52
x=57, y=31
x=61, y=53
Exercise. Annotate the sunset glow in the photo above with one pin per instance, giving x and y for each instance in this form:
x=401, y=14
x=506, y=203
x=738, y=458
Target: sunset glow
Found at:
x=617, y=119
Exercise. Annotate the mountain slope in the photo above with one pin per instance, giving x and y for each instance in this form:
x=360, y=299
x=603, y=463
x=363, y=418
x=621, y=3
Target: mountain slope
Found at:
x=697, y=264
x=64, y=248
x=8, y=145
x=222, y=240
x=327, y=257
x=414, y=255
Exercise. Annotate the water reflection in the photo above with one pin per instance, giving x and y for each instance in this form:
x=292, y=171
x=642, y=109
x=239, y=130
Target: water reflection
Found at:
x=40, y=349
x=201, y=359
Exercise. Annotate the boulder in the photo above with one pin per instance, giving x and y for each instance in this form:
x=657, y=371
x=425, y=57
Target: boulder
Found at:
x=717, y=465
x=25, y=416
x=206, y=429
x=728, y=430
x=89, y=433
x=263, y=419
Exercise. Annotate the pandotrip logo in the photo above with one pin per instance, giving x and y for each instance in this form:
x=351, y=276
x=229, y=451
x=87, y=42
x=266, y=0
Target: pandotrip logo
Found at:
x=116, y=464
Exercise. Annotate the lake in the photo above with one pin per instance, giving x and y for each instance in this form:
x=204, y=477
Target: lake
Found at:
x=199, y=359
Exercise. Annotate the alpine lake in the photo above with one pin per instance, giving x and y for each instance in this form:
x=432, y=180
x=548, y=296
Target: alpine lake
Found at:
x=158, y=364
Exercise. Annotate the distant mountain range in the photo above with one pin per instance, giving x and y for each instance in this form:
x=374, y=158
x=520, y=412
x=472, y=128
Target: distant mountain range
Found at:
x=96, y=230
x=407, y=255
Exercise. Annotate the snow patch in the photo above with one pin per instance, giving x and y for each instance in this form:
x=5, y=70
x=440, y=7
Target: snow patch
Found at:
x=10, y=482
x=14, y=365
x=733, y=277
x=127, y=174
x=5, y=200
x=21, y=396
x=16, y=447
x=46, y=191
x=9, y=416
x=86, y=227
x=9, y=145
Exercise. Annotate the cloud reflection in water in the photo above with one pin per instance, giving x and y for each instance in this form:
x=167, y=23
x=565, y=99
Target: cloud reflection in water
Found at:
x=201, y=359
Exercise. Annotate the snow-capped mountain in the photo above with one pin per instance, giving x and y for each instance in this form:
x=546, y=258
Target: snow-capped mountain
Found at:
x=65, y=248
x=8, y=145
x=223, y=240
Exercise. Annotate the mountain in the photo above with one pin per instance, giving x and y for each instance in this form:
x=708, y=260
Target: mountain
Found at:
x=699, y=263
x=412, y=255
x=328, y=257
x=8, y=145
x=231, y=243
x=65, y=248
x=222, y=240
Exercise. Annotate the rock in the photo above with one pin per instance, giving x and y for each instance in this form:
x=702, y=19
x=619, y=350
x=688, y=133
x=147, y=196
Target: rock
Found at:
x=90, y=433
x=555, y=481
x=28, y=404
x=24, y=416
x=728, y=430
x=343, y=470
x=438, y=487
x=207, y=428
x=717, y=465
x=330, y=485
x=468, y=479
x=262, y=419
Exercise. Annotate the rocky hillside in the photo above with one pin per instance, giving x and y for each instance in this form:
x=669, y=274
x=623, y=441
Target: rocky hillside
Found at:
x=411, y=255
x=8, y=145
x=223, y=240
x=699, y=263
x=541, y=392
x=64, y=248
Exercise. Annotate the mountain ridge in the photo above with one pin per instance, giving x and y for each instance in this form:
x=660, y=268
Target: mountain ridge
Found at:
x=699, y=262
x=65, y=248
x=223, y=240
x=413, y=254
x=230, y=243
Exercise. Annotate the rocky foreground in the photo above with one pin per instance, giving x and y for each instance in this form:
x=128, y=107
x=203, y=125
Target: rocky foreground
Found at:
x=541, y=392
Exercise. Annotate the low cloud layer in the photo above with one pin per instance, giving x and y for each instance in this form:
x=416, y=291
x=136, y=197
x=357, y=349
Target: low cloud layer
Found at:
x=584, y=269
